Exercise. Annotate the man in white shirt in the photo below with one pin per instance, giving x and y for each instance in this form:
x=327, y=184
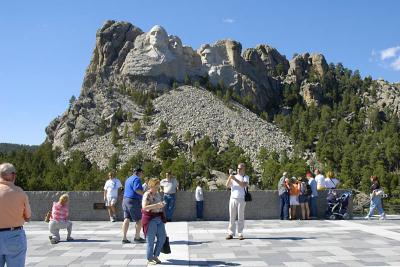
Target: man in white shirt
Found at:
x=111, y=189
x=199, y=200
x=170, y=186
x=320, y=179
x=237, y=183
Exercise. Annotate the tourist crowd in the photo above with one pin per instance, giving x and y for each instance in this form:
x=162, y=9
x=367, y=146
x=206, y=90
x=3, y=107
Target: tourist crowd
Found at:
x=150, y=203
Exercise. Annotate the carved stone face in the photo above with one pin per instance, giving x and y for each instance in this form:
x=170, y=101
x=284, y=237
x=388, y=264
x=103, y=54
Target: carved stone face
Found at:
x=176, y=44
x=158, y=37
x=207, y=56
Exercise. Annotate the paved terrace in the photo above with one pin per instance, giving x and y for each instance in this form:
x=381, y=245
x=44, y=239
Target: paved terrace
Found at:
x=267, y=243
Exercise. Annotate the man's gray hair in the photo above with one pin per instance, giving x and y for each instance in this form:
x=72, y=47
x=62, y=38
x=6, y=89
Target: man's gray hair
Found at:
x=6, y=168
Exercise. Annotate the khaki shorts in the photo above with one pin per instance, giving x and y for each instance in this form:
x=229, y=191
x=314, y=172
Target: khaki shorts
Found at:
x=111, y=201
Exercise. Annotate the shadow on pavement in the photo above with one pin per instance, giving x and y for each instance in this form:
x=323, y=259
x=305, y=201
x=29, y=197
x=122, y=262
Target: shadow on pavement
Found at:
x=199, y=263
x=294, y=238
x=84, y=240
x=189, y=243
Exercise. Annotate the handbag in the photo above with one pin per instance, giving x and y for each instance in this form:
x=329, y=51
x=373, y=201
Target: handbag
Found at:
x=379, y=193
x=166, y=249
x=47, y=216
x=247, y=195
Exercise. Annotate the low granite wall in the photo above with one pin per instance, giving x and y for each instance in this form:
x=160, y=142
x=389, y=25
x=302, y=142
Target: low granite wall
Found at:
x=265, y=205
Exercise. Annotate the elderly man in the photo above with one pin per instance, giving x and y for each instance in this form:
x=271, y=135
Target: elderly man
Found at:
x=283, y=191
x=14, y=212
x=170, y=186
x=237, y=183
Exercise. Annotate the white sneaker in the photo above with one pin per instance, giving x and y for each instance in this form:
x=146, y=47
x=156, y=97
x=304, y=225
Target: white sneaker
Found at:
x=367, y=217
x=383, y=217
x=111, y=219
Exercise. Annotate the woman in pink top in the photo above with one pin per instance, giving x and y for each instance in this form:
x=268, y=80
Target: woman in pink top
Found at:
x=59, y=219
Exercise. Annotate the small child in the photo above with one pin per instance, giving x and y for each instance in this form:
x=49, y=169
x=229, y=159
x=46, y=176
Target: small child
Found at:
x=199, y=200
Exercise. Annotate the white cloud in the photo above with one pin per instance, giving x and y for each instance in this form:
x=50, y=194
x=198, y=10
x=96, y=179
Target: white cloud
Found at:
x=396, y=64
x=389, y=52
x=228, y=20
x=388, y=58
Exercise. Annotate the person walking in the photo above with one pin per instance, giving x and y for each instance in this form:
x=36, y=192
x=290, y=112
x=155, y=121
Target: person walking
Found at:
x=314, y=196
x=132, y=205
x=59, y=219
x=237, y=184
x=170, y=186
x=111, y=189
x=376, y=199
x=199, y=200
x=283, y=191
x=153, y=220
x=14, y=212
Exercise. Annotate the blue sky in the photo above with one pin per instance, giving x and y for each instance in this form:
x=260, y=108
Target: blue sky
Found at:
x=45, y=46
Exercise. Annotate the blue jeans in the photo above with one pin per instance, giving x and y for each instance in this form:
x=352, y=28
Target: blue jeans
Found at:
x=199, y=209
x=313, y=207
x=376, y=203
x=156, y=229
x=284, y=206
x=170, y=205
x=13, y=248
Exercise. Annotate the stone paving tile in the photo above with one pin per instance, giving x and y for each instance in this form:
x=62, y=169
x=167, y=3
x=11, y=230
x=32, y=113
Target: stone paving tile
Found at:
x=267, y=243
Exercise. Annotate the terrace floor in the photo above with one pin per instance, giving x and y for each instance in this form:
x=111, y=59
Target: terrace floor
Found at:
x=202, y=243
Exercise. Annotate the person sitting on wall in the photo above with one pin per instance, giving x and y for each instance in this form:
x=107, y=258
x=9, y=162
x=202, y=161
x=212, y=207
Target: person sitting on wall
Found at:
x=59, y=219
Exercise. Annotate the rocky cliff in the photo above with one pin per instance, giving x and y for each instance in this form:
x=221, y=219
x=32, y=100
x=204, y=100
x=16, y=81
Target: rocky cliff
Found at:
x=128, y=64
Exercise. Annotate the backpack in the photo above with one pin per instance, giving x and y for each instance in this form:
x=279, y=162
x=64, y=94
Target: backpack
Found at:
x=307, y=189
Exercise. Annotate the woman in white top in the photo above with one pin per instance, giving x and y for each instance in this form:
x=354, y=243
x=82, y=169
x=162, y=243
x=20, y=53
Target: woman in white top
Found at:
x=330, y=182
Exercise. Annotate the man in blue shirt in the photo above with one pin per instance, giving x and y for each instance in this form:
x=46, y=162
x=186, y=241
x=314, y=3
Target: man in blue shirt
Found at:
x=132, y=205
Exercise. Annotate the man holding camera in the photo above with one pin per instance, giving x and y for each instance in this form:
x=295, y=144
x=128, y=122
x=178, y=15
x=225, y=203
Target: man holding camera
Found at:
x=237, y=182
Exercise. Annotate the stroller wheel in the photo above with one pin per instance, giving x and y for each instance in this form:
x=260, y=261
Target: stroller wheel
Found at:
x=346, y=216
x=332, y=217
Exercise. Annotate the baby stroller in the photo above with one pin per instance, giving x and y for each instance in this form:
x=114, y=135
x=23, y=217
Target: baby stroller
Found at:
x=337, y=205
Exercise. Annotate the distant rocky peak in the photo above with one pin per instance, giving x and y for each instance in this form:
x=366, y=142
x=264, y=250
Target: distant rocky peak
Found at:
x=111, y=38
x=302, y=66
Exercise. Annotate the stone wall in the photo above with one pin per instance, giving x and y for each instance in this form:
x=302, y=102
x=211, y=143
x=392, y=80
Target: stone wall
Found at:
x=265, y=205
